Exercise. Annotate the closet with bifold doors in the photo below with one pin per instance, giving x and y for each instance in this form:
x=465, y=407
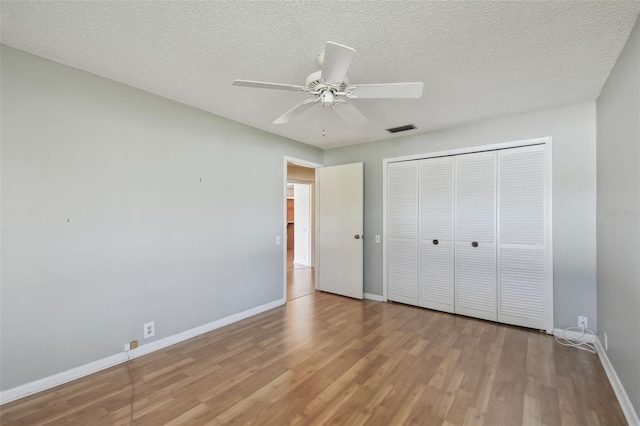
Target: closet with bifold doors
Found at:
x=469, y=233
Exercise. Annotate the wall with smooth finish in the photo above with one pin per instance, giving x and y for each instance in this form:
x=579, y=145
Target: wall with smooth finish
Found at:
x=120, y=207
x=618, y=155
x=573, y=130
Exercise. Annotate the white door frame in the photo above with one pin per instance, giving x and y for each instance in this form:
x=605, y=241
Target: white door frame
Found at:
x=547, y=141
x=311, y=165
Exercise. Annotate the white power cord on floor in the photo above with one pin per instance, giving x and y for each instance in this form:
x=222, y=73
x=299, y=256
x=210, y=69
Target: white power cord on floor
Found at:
x=581, y=339
x=133, y=388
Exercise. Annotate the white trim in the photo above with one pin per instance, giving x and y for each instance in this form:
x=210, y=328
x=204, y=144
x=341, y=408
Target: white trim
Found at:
x=60, y=378
x=469, y=150
x=548, y=234
x=283, y=239
x=616, y=384
x=547, y=141
x=376, y=297
x=303, y=163
x=101, y=364
x=214, y=325
x=384, y=229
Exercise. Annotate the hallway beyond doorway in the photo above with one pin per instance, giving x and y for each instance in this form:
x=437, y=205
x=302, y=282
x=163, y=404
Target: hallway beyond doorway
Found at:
x=300, y=278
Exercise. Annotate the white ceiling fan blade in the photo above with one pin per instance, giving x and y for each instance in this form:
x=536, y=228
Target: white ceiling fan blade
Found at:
x=295, y=111
x=388, y=91
x=350, y=114
x=337, y=59
x=263, y=85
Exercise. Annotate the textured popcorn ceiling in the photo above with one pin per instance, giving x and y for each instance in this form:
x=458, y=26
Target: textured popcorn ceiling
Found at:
x=476, y=59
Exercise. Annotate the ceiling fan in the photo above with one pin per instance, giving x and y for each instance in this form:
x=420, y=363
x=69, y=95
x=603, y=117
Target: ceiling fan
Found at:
x=330, y=87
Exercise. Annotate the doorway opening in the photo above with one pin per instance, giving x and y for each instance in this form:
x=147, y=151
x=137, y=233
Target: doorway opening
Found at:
x=300, y=227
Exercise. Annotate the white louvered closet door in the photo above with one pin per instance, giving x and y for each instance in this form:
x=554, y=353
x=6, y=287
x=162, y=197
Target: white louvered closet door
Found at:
x=402, y=232
x=476, y=235
x=521, y=236
x=436, y=270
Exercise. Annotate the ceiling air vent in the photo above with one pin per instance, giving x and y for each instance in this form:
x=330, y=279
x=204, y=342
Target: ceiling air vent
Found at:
x=401, y=128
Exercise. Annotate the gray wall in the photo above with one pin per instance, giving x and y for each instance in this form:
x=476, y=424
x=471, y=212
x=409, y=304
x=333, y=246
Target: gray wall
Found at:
x=618, y=155
x=145, y=239
x=573, y=130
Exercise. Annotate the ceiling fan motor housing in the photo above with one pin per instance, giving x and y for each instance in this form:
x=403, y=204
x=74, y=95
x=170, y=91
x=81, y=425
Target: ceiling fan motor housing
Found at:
x=316, y=84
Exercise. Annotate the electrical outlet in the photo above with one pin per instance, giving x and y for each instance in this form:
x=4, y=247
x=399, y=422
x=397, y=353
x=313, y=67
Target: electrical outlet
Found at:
x=583, y=322
x=149, y=329
x=378, y=239
x=606, y=342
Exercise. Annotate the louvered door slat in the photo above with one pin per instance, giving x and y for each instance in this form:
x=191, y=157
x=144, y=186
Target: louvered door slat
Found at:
x=521, y=196
x=402, y=232
x=476, y=197
x=436, y=199
x=475, y=273
x=402, y=200
x=436, y=276
x=521, y=249
x=476, y=281
x=436, y=181
x=402, y=269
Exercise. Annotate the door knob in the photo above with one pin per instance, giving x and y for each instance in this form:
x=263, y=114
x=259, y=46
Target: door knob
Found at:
x=435, y=242
x=357, y=237
x=474, y=244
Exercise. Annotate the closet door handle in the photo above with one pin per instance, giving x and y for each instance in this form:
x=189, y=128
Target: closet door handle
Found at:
x=435, y=242
x=474, y=244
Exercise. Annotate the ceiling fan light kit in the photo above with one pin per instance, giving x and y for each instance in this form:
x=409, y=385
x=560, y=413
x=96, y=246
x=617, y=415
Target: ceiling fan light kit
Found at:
x=330, y=87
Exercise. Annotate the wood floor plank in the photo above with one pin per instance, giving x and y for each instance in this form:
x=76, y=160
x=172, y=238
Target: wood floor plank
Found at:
x=326, y=359
x=406, y=405
x=550, y=406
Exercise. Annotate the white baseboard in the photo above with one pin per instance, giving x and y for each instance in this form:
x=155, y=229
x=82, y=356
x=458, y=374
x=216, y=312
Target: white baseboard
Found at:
x=60, y=378
x=104, y=363
x=616, y=384
x=558, y=332
x=376, y=297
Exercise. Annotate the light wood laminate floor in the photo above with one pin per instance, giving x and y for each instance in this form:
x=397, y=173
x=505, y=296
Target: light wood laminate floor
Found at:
x=325, y=359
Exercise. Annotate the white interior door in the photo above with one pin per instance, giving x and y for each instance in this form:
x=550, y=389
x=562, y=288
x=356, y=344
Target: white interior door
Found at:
x=476, y=235
x=436, y=207
x=340, y=226
x=521, y=237
x=402, y=232
x=302, y=221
